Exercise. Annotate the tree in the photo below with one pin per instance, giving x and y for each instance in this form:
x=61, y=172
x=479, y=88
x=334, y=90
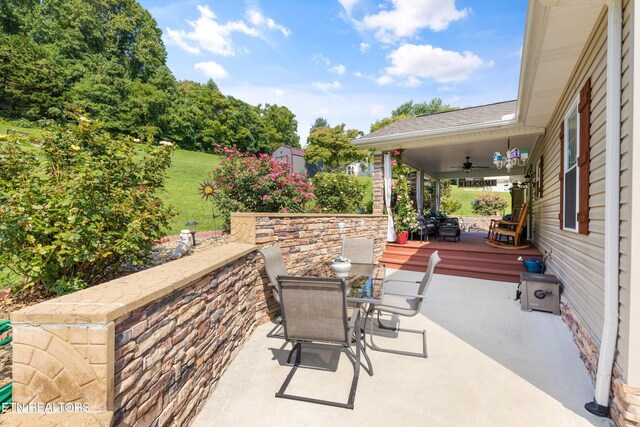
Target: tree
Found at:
x=320, y=122
x=332, y=146
x=279, y=126
x=422, y=108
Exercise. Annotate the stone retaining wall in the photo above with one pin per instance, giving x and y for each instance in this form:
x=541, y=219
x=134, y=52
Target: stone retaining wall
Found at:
x=171, y=353
x=481, y=222
x=308, y=238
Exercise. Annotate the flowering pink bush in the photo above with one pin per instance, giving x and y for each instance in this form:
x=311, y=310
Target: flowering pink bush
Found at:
x=250, y=183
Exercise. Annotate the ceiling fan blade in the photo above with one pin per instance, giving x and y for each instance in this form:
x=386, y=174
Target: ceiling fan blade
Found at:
x=481, y=167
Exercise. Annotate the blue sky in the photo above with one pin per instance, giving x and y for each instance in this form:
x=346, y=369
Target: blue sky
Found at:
x=350, y=61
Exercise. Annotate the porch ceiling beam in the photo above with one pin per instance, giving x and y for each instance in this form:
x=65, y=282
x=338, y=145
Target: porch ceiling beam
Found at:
x=480, y=173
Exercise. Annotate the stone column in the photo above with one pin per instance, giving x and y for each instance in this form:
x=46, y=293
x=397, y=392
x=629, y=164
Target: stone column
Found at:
x=378, y=185
x=412, y=185
x=438, y=196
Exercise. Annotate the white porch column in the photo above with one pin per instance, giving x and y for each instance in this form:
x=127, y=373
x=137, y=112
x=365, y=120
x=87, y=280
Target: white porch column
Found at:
x=391, y=233
x=420, y=191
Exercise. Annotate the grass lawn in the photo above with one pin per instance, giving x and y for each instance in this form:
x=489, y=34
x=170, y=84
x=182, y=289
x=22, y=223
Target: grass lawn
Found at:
x=188, y=170
x=368, y=191
x=5, y=125
x=465, y=195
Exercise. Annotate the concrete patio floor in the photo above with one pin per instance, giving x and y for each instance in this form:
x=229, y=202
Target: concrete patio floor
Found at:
x=489, y=364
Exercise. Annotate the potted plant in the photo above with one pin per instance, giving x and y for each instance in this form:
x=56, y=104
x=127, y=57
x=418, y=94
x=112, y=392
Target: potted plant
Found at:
x=341, y=266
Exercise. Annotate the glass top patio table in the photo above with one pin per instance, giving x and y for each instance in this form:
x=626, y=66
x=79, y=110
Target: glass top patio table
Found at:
x=364, y=282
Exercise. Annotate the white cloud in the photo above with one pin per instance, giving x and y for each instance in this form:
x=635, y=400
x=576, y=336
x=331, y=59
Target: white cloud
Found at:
x=411, y=82
x=327, y=85
x=338, y=69
x=364, y=47
x=216, y=37
x=407, y=17
x=258, y=19
x=320, y=59
x=446, y=88
x=428, y=62
x=278, y=92
x=348, y=5
x=358, y=74
x=384, y=80
x=211, y=69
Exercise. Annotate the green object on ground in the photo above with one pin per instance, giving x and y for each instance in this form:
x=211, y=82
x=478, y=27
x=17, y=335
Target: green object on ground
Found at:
x=6, y=393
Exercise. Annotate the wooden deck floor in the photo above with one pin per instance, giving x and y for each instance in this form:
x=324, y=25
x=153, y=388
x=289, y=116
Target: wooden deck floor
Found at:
x=470, y=257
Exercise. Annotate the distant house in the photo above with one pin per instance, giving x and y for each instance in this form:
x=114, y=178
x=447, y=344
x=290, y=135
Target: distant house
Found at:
x=358, y=169
x=293, y=156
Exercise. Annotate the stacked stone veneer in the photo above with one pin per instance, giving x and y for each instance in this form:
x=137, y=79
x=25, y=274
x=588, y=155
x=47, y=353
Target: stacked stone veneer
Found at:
x=170, y=354
x=378, y=185
x=306, y=239
x=624, y=406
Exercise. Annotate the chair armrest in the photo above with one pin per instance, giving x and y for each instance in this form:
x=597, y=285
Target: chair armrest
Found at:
x=399, y=294
x=401, y=281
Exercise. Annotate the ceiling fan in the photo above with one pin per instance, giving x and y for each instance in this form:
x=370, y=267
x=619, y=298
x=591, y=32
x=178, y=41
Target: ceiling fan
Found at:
x=468, y=166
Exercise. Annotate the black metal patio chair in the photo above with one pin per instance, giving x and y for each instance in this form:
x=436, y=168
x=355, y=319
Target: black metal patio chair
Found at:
x=315, y=311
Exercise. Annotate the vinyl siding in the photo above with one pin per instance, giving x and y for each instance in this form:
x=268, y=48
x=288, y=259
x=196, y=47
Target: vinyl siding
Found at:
x=578, y=260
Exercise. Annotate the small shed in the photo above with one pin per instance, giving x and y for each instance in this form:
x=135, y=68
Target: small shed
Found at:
x=293, y=156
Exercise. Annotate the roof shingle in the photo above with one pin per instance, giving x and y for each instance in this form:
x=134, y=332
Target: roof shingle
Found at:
x=449, y=119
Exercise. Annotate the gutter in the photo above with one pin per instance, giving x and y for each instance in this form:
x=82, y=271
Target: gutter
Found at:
x=600, y=404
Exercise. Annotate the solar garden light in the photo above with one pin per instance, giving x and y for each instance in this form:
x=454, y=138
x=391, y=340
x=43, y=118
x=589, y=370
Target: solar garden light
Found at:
x=192, y=230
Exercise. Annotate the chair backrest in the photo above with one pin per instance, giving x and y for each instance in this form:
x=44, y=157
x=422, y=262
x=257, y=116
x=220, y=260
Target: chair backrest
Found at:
x=523, y=218
x=434, y=259
x=358, y=250
x=314, y=309
x=515, y=214
x=274, y=265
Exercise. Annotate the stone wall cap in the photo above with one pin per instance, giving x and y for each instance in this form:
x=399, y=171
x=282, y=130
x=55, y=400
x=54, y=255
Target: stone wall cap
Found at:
x=112, y=300
x=302, y=215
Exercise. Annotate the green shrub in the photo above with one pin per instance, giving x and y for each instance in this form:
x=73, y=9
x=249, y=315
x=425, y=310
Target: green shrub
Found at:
x=338, y=193
x=449, y=205
x=72, y=212
x=488, y=204
x=250, y=183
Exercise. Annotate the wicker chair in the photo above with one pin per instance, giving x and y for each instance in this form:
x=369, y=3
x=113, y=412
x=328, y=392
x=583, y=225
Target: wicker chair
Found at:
x=407, y=305
x=358, y=250
x=315, y=310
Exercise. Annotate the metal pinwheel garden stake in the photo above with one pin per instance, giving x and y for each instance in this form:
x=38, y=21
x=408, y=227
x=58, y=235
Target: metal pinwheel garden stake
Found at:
x=208, y=191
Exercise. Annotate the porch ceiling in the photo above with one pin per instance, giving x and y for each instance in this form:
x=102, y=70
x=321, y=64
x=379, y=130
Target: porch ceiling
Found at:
x=555, y=35
x=445, y=161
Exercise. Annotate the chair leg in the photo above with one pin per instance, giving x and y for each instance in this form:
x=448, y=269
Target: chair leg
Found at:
x=404, y=353
x=273, y=332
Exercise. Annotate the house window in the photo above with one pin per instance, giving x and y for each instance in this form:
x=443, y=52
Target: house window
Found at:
x=571, y=168
x=351, y=170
